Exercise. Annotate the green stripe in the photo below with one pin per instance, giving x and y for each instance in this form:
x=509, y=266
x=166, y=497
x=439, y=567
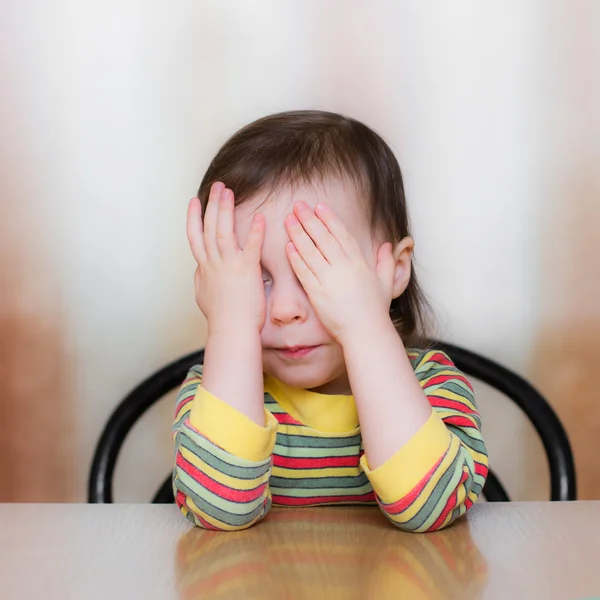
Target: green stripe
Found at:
x=460, y=388
x=235, y=520
x=222, y=503
x=269, y=399
x=439, y=495
x=196, y=370
x=434, y=504
x=320, y=482
x=185, y=391
x=472, y=442
x=305, y=441
x=315, y=452
x=177, y=425
x=311, y=492
x=221, y=461
x=275, y=409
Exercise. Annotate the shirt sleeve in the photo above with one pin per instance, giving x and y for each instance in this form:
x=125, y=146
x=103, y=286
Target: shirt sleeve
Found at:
x=438, y=475
x=222, y=460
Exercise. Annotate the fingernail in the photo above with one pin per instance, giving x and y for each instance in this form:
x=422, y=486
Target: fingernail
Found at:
x=321, y=206
x=218, y=186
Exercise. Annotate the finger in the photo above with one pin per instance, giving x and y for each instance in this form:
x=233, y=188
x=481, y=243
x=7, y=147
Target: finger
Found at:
x=194, y=230
x=338, y=230
x=211, y=215
x=305, y=276
x=226, y=238
x=320, y=235
x=310, y=254
x=253, y=246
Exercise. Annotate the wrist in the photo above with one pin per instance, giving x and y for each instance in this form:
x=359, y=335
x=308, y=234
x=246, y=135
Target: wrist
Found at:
x=236, y=342
x=232, y=329
x=366, y=329
x=233, y=370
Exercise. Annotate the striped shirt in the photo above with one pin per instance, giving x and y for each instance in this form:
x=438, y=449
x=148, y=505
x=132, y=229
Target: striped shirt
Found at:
x=229, y=471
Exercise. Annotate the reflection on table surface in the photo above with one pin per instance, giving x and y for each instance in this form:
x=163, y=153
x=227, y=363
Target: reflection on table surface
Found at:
x=532, y=550
x=329, y=553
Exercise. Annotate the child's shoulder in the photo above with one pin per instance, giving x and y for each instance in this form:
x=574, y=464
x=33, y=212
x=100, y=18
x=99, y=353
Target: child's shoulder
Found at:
x=195, y=371
x=425, y=359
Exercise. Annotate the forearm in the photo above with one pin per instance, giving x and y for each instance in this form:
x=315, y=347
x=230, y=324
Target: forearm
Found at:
x=391, y=405
x=437, y=466
x=233, y=371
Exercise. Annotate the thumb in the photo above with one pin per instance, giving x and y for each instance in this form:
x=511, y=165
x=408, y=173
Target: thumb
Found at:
x=386, y=265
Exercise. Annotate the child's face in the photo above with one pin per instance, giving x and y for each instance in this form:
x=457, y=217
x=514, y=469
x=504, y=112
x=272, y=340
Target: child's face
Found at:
x=291, y=320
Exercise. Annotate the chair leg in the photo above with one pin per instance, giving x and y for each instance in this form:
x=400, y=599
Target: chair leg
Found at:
x=493, y=490
x=165, y=492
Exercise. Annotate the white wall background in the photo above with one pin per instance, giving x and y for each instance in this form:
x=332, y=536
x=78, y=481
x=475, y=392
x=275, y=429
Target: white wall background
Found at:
x=121, y=105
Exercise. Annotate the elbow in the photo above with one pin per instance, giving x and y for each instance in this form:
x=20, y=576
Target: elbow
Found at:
x=202, y=509
x=410, y=527
x=457, y=504
x=440, y=523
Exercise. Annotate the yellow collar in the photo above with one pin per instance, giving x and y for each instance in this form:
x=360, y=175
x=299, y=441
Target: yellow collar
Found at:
x=323, y=412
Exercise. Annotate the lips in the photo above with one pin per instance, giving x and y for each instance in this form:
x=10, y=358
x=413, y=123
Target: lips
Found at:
x=296, y=351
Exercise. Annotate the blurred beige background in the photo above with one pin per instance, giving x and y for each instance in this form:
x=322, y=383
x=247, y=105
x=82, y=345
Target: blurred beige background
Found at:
x=111, y=111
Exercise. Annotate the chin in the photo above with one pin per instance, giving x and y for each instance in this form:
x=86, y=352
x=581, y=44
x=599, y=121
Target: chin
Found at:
x=306, y=378
x=295, y=377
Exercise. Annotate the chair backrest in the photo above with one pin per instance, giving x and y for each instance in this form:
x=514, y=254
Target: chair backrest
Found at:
x=525, y=396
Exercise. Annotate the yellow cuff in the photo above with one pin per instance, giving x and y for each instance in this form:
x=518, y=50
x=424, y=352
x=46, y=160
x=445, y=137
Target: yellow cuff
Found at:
x=398, y=475
x=230, y=429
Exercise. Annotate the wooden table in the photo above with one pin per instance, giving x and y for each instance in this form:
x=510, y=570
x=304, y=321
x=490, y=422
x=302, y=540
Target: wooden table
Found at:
x=507, y=551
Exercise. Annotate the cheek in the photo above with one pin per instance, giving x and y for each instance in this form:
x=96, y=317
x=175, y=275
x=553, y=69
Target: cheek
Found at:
x=369, y=251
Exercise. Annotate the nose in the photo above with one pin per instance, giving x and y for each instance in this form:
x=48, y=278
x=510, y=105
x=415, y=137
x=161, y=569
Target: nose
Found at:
x=288, y=303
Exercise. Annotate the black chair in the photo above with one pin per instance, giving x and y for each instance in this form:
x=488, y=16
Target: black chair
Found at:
x=529, y=400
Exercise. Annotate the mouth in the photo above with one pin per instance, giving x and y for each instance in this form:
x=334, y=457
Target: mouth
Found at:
x=296, y=351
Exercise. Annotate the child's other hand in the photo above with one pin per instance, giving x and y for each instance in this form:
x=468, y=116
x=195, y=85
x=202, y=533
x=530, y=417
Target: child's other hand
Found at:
x=342, y=287
x=228, y=280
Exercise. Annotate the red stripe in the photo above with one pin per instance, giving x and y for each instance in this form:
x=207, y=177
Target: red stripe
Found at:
x=286, y=419
x=481, y=469
x=441, y=359
x=450, y=505
x=206, y=524
x=242, y=572
x=180, y=499
x=183, y=403
x=286, y=501
x=223, y=491
x=444, y=378
x=459, y=421
x=315, y=463
x=440, y=402
x=401, y=505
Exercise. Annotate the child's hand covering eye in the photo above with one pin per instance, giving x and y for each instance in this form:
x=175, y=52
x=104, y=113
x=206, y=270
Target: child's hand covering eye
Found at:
x=226, y=273
x=342, y=287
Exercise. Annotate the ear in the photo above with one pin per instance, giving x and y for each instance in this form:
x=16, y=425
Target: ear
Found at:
x=402, y=252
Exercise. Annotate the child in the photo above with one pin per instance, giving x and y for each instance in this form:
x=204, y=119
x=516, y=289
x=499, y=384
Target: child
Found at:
x=313, y=391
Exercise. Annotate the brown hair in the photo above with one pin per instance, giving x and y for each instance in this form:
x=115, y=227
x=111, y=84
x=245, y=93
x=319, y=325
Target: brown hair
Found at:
x=305, y=146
